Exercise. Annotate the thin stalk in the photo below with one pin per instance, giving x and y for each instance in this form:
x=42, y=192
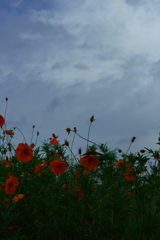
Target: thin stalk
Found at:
x=22, y=134
x=87, y=140
x=88, y=134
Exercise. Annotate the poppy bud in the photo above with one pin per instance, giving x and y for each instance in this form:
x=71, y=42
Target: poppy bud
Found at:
x=79, y=151
x=6, y=99
x=119, y=150
x=75, y=129
x=92, y=118
x=142, y=150
x=133, y=138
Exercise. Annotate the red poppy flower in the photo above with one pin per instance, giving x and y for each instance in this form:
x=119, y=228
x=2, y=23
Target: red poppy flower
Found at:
x=80, y=194
x=37, y=168
x=121, y=163
x=89, y=162
x=2, y=120
x=32, y=145
x=129, y=176
x=9, y=132
x=58, y=167
x=11, y=184
x=24, y=153
x=54, y=141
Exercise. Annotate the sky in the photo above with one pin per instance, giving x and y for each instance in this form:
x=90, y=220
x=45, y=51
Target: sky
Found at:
x=63, y=61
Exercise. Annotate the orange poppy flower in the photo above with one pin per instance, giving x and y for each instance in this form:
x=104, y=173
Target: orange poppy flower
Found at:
x=17, y=197
x=89, y=162
x=11, y=184
x=129, y=176
x=121, y=163
x=58, y=167
x=54, y=141
x=9, y=132
x=24, y=153
x=2, y=120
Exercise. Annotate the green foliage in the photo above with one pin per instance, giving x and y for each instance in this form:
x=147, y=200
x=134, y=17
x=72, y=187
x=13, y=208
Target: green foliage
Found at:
x=80, y=203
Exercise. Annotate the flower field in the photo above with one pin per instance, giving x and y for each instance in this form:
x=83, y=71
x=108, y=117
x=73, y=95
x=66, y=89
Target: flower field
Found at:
x=48, y=192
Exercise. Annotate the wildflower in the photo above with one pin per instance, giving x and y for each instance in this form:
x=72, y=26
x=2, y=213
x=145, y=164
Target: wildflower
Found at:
x=138, y=171
x=24, y=153
x=56, y=155
x=131, y=154
x=37, y=168
x=121, y=163
x=142, y=150
x=89, y=162
x=9, y=132
x=54, y=140
x=77, y=185
x=76, y=174
x=10, y=228
x=6, y=162
x=86, y=172
x=80, y=194
x=68, y=130
x=2, y=120
x=133, y=139
x=85, y=222
x=129, y=192
x=32, y=145
x=17, y=197
x=129, y=176
x=66, y=186
x=11, y=184
x=57, y=166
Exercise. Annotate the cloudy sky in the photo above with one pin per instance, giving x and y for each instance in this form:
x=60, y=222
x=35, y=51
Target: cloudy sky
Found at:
x=63, y=61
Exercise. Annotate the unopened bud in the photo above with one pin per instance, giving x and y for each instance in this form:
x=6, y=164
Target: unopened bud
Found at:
x=133, y=138
x=79, y=151
x=37, y=133
x=75, y=129
x=6, y=99
x=33, y=126
x=92, y=118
